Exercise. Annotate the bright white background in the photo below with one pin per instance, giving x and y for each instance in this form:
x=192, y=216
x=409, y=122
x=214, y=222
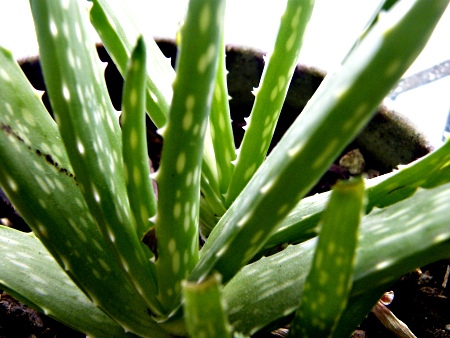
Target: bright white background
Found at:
x=255, y=22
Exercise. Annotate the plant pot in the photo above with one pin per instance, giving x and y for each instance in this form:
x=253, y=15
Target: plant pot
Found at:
x=387, y=141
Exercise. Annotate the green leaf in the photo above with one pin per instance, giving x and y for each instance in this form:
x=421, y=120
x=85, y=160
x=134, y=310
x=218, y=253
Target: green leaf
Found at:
x=383, y=5
x=393, y=241
x=271, y=94
x=331, y=119
x=90, y=131
x=427, y=172
x=48, y=196
x=30, y=274
x=119, y=29
x=357, y=309
x=328, y=284
x=135, y=158
x=204, y=309
x=220, y=122
x=301, y=223
x=210, y=191
x=178, y=177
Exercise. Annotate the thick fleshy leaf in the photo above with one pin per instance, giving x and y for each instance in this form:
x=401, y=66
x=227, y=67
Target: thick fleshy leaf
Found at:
x=178, y=177
x=393, y=241
x=135, y=158
x=46, y=193
x=119, y=30
x=427, y=172
x=32, y=275
x=90, y=131
x=204, y=309
x=328, y=284
x=270, y=94
x=220, y=121
x=332, y=118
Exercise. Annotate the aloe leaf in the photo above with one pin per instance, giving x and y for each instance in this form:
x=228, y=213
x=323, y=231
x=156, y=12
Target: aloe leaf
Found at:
x=271, y=94
x=208, y=219
x=209, y=181
x=90, y=131
x=383, y=5
x=179, y=174
x=331, y=119
x=276, y=280
x=301, y=223
x=328, y=284
x=135, y=158
x=220, y=122
x=119, y=30
x=31, y=274
x=48, y=197
x=393, y=241
x=204, y=310
x=357, y=309
x=427, y=172
x=211, y=195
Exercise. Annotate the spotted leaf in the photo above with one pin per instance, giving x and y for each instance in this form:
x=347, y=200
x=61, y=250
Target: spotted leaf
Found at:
x=205, y=310
x=179, y=174
x=332, y=118
x=47, y=195
x=40, y=282
x=221, y=131
x=119, y=29
x=90, y=132
x=328, y=284
x=271, y=93
x=392, y=242
x=135, y=158
x=428, y=172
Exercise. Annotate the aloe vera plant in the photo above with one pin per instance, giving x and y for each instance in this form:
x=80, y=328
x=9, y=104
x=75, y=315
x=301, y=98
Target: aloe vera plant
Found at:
x=82, y=181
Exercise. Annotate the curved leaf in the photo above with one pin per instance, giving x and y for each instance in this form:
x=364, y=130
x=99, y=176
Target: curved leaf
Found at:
x=90, y=131
x=30, y=273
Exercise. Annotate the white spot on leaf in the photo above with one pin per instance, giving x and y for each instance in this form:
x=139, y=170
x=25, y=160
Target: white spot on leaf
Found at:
x=181, y=163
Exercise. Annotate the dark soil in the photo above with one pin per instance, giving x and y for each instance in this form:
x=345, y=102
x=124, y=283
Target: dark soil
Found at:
x=422, y=302
x=20, y=321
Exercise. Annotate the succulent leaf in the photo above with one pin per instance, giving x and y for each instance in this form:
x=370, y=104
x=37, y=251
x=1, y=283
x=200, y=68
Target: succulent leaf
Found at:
x=178, y=177
x=331, y=119
x=220, y=122
x=328, y=284
x=393, y=241
x=90, y=132
x=271, y=93
x=48, y=197
x=119, y=30
x=117, y=27
x=39, y=281
x=85, y=188
x=428, y=172
x=204, y=309
x=356, y=306
x=135, y=158
x=383, y=5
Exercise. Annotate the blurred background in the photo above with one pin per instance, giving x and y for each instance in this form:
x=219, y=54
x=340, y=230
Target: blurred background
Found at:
x=423, y=96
